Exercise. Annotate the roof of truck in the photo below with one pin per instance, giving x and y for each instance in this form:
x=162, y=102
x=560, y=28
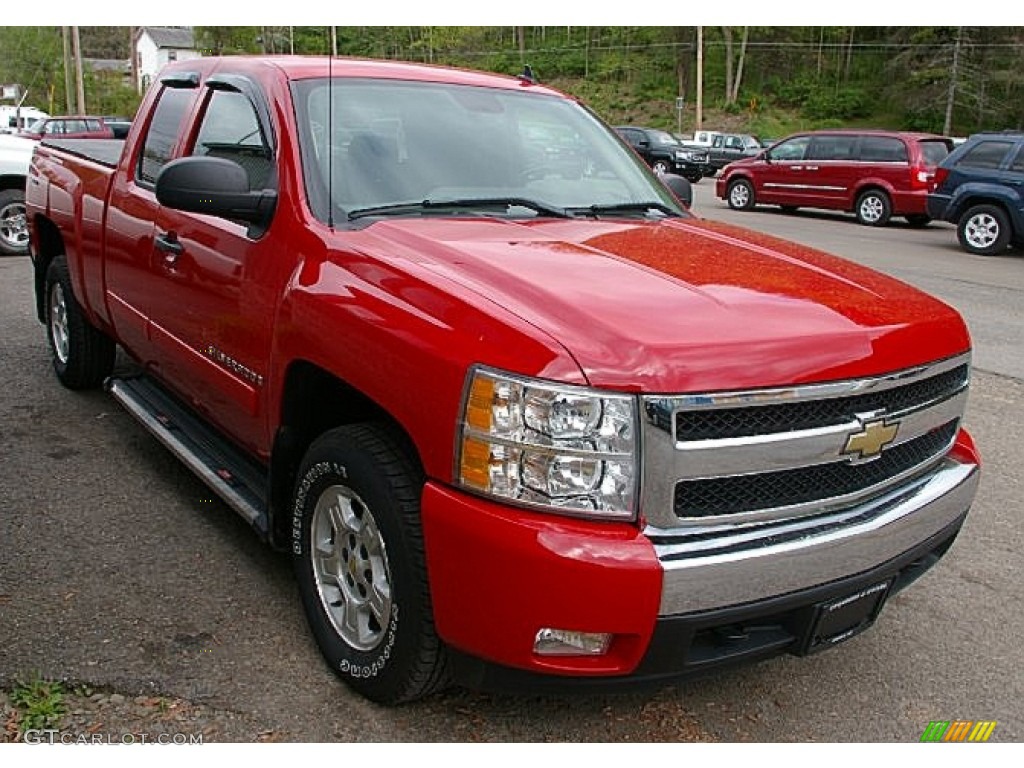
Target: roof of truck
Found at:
x=306, y=67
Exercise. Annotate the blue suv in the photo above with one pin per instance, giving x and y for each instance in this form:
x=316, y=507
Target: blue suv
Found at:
x=980, y=188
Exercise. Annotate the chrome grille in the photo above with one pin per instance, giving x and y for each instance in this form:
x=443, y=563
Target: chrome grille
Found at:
x=753, y=457
x=785, y=417
x=731, y=495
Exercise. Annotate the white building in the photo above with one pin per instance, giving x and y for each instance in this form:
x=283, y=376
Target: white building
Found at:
x=155, y=47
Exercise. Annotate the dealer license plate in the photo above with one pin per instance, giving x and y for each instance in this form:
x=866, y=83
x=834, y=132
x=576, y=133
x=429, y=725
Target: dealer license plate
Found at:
x=842, y=618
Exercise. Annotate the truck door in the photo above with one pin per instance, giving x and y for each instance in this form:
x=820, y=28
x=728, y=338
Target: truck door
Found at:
x=220, y=278
x=133, y=289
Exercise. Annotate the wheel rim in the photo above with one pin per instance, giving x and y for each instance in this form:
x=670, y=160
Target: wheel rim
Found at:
x=661, y=167
x=350, y=566
x=59, y=323
x=739, y=195
x=14, y=226
x=981, y=231
x=871, y=208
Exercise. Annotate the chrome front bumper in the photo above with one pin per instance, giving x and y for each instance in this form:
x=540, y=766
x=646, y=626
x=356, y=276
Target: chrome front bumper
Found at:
x=732, y=565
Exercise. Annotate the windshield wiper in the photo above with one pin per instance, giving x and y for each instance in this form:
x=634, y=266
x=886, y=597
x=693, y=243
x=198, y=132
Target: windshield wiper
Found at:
x=644, y=208
x=469, y=203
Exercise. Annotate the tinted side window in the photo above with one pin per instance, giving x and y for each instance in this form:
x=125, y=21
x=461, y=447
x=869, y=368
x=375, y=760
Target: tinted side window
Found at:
x=985, y=154
x=794, y=149
x=832, y=148
x=231, y=130
x=882, y=149
x=163, y=132
x=933, y=152
x=1018, y=162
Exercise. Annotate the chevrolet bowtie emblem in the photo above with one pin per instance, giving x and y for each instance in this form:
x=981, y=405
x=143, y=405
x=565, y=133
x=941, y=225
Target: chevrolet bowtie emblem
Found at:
x=871, y=439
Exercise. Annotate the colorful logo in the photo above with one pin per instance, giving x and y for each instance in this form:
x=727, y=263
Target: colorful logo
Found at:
x=958, y=730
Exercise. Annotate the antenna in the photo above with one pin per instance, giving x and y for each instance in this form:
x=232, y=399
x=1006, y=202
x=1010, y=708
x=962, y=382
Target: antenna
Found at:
x=330, y=135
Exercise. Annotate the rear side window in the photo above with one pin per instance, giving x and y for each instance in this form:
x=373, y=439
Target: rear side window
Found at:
x=832, y=148
x=1018, y=162
x=882, y=149
x=933, y=153
x=985, y=154
x=163, y=133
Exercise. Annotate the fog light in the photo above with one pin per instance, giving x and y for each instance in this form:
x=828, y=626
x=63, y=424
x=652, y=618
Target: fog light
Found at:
x=565, y=642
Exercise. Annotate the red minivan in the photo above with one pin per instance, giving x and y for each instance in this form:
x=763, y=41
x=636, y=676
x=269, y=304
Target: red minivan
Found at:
x=874, y=174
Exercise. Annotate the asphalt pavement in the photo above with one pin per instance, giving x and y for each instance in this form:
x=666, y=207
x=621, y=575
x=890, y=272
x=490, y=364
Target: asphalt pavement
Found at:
x=119, y=570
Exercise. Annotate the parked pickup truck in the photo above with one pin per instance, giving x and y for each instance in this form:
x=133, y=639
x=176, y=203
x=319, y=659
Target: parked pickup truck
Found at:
x=514, y=425
x=728, y=147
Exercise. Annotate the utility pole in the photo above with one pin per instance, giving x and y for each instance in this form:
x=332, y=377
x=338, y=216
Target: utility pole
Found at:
x=66, y=34
x=334, y=41
x=700, y=79
x=76, y=44
x=947, y=125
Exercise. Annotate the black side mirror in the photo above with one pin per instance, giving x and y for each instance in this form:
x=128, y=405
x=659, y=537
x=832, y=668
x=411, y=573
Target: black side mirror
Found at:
x=214, y=186
x=679, y=187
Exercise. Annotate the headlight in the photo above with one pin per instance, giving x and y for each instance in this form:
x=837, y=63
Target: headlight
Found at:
x=682, y=156
x=554, y=447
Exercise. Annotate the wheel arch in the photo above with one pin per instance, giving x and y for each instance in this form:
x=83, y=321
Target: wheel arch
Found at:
x=12, y=181
x=870, y=185
x=960, y=206
x=314, y=401
x=49, y=243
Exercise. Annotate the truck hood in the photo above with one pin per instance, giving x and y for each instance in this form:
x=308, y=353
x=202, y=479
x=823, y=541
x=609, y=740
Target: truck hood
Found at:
x=685, y=305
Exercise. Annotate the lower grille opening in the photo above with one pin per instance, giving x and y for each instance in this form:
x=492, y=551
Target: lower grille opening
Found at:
x=737, y=641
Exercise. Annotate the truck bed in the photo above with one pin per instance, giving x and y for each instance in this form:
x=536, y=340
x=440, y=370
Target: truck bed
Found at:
x=103, y=151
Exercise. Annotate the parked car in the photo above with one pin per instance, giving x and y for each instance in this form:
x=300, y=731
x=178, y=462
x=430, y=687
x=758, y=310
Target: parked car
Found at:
x=874, y=174
x=980, y=188
x=14, y=119
x=703, y=138
x=70, y=127
x=726, y=148
x=664, y=152
x=15, y=157
x=119, y=125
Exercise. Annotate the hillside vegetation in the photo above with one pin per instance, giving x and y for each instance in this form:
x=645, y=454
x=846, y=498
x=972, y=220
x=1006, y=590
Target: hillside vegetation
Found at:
x=765, y=80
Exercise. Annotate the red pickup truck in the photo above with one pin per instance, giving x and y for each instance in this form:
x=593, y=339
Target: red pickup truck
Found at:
x=518, y=416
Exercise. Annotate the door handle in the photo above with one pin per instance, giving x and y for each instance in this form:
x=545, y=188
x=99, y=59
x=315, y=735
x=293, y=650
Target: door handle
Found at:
x=811, y=167
x=171, y=247
x=797, y=167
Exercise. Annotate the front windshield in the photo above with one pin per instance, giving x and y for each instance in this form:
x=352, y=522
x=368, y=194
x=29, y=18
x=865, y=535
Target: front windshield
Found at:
x=371, y=144
x=37, y=125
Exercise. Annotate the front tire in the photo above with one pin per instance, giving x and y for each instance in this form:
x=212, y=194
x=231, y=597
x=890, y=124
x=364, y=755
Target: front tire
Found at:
x=13, y=224
x=740, y=195
x=984, y=230
x=83, y=356
x=873, y=208
x=360, y=564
